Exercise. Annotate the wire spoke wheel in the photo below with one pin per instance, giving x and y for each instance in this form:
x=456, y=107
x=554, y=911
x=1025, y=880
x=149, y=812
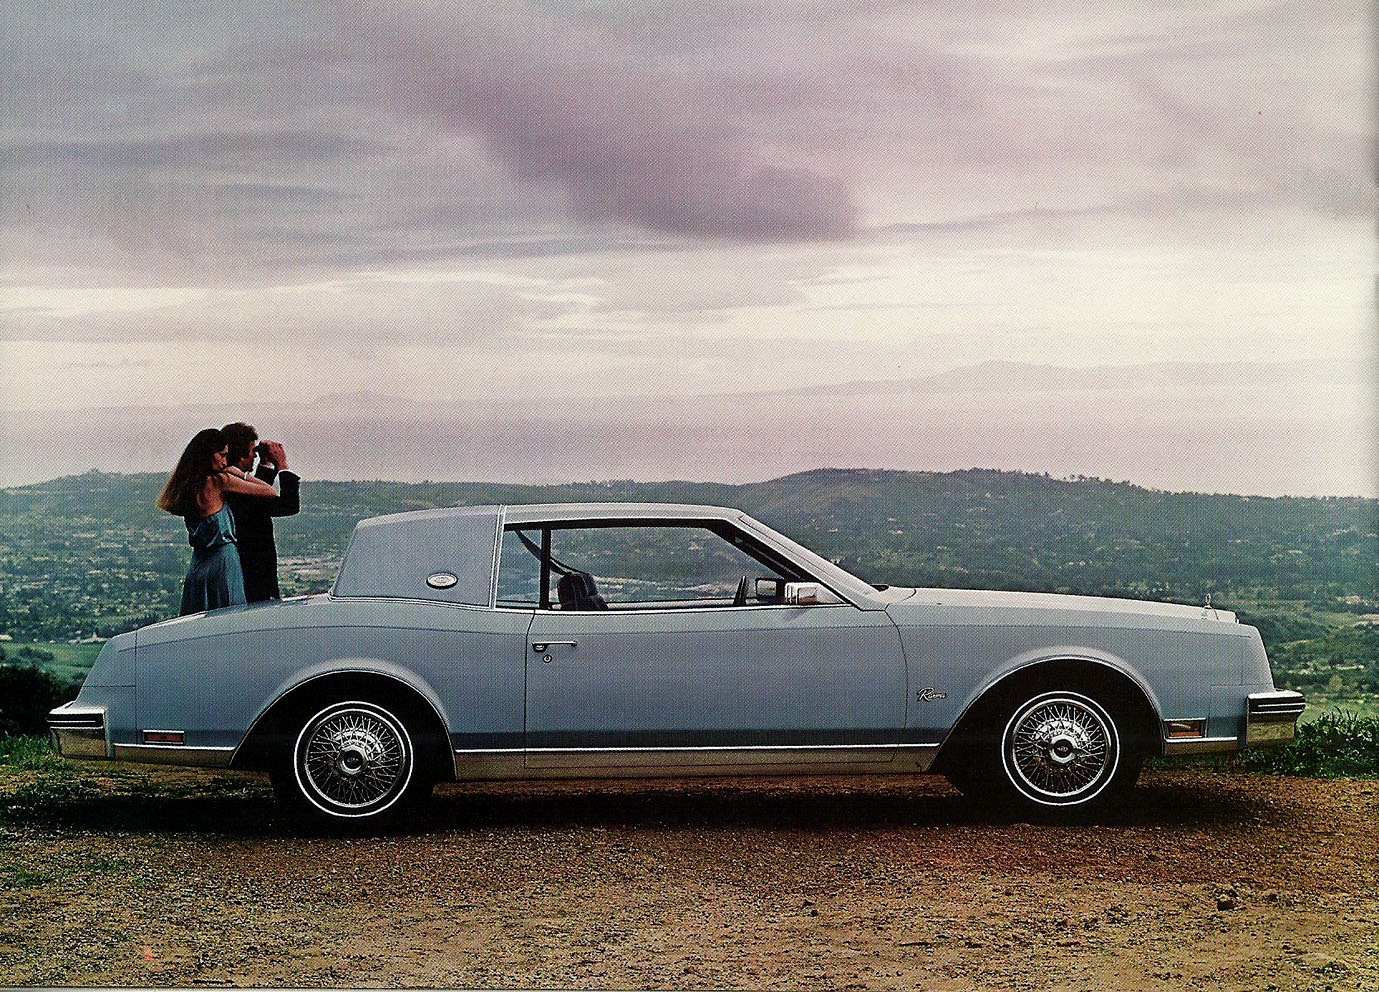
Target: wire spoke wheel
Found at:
x=1060, y=749
x=353, y=759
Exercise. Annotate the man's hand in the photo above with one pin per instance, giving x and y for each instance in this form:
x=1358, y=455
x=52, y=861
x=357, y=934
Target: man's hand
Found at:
x=277, y=454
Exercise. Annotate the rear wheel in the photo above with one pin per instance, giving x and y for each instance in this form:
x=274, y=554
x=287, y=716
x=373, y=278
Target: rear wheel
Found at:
x=351, y=761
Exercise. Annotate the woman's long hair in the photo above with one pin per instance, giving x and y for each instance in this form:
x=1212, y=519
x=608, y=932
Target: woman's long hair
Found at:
x=191, y=473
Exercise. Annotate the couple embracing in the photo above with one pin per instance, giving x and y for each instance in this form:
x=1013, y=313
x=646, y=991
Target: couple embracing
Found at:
x=229, y=515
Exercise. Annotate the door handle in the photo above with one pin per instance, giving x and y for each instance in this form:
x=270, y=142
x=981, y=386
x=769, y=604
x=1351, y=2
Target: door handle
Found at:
x=540, y=646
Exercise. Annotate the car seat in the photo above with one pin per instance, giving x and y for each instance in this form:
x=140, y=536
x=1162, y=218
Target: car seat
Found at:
x=578, y=591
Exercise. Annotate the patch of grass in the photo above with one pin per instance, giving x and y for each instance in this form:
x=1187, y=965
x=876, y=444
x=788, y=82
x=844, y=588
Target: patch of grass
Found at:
x=47, y=791
x=49, y=797
x=29, y=753
x=38, y=787
x=65, y=662
x=81, y=870
x=105, y=864
x=65, y=867
x=17, y=877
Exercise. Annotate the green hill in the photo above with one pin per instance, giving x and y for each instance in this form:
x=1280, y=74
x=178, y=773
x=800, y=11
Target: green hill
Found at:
x=91, y=554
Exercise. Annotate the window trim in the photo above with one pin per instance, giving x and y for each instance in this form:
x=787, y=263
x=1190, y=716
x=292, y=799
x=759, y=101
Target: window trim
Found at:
x=751, y=545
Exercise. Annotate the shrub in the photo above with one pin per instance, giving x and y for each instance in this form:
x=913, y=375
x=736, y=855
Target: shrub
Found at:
x=1339, y=745
x=27, y=693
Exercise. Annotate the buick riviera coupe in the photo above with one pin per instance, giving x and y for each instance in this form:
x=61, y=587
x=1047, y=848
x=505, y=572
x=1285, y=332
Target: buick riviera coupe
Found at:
x=620, y=639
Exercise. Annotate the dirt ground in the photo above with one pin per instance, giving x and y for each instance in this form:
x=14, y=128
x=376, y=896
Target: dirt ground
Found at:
x=170, y=877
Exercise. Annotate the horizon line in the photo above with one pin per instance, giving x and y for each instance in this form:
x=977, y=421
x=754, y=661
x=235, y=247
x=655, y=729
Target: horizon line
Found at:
x=1073, y=479
x=851, y=385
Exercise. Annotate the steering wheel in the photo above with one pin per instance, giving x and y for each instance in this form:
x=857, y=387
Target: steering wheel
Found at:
x=740, y=597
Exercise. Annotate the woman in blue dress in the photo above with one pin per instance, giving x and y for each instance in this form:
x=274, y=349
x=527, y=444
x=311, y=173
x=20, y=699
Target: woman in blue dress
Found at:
x=196, y=492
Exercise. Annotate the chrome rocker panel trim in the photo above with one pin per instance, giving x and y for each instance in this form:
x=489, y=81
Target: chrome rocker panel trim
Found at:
x=1199, y=745
x=697, y=762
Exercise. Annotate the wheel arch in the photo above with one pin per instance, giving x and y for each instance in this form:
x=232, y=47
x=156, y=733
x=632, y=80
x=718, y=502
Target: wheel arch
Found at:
x=274, y=720
x=1126, y=690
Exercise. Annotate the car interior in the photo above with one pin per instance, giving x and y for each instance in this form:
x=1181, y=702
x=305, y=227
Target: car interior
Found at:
x=577, y=589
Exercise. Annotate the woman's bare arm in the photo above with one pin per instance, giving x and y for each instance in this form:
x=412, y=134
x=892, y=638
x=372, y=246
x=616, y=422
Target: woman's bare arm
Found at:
x=233, y=482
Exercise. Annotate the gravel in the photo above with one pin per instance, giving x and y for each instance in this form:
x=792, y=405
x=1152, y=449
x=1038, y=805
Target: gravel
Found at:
x=132, y=876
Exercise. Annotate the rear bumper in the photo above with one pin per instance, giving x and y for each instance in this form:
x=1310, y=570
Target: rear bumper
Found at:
x=83, y=732
x=79, y=731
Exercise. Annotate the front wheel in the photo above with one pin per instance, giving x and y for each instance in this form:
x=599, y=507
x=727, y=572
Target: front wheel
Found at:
x=351, y=761
x=1062, y=751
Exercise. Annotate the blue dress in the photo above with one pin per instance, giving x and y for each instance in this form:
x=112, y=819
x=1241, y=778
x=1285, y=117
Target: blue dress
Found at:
x=215, y=578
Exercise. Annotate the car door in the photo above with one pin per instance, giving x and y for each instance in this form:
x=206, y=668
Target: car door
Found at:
x=699, y=682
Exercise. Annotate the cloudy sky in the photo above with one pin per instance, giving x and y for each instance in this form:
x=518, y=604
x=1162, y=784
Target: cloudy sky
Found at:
x=505, y=203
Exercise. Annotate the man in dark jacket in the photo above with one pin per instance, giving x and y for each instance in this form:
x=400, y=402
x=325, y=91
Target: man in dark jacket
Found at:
x=254, y=517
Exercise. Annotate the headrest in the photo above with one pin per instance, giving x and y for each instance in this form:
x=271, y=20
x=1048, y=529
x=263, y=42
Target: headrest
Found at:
x=578, y=591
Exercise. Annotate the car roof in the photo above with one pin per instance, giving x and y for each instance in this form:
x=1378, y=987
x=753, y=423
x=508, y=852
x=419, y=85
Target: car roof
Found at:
x=553, y=512
x=390, y=552
x=563, y=512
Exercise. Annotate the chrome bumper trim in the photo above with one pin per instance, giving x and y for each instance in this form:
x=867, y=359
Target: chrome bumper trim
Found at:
x=80, y=743
x=176, y=754
x=1200, y=745
x=1271, y=718
x=1280, y=705
x=79, y=732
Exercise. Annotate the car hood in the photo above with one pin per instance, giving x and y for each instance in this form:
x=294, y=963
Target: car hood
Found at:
x=902, y=599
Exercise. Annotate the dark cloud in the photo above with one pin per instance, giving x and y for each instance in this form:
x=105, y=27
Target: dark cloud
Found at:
x=220, y=143
x=558, y=103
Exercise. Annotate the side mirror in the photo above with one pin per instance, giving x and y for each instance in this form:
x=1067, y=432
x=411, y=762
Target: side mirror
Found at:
x=769, y=590
x=801, y=593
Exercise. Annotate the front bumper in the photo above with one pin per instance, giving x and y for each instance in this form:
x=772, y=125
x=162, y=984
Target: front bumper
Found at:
x=79, y=731
x=1272, y=717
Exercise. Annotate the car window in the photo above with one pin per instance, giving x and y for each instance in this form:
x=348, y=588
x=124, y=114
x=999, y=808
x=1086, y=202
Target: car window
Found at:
x=519, y=569
x=656, y=565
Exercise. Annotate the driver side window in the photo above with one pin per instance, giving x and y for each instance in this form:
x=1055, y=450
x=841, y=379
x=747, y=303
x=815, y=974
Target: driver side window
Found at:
x=657, y=566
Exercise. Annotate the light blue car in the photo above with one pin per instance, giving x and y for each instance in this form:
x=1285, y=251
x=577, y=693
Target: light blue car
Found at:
x=640, y=639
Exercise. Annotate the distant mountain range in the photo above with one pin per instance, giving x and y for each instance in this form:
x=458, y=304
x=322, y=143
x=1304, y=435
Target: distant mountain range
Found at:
x=1162, y=376
x=1243, y=427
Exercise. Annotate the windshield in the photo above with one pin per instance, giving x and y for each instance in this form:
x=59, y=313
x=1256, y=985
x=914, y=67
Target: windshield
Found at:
x=830, y=574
